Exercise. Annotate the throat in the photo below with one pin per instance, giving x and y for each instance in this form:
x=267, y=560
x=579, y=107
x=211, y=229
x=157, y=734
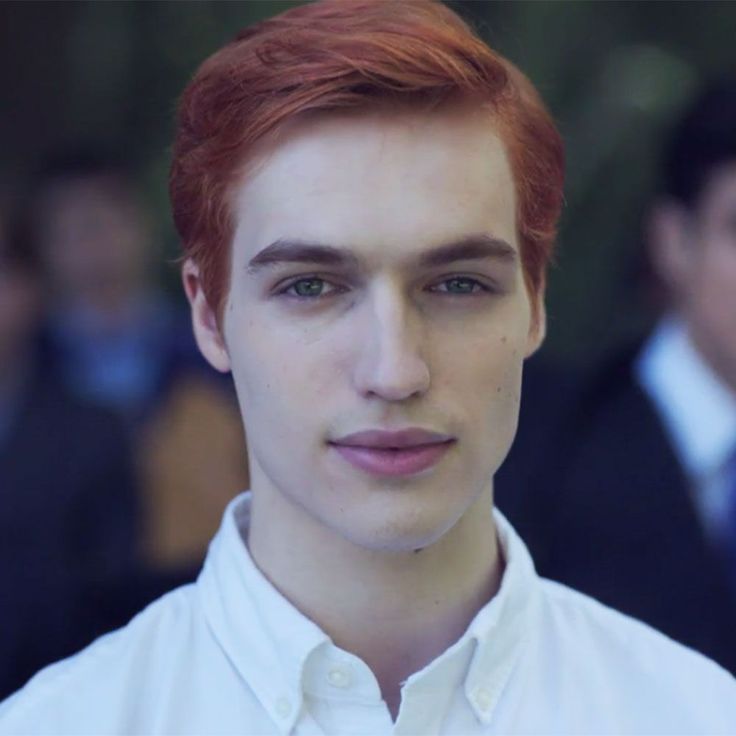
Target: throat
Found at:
x=396, y=611
x=397, y=647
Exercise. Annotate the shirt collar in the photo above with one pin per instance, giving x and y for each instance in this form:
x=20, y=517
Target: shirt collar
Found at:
x=502, y=626
x=274, y=647
x=696, y=406
x=265, y=637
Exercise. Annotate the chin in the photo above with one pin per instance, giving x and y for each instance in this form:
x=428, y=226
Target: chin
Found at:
x=402, y=530
x=396, y=543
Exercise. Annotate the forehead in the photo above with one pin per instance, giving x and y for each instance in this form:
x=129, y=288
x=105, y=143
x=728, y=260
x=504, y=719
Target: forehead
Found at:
x=382, y=184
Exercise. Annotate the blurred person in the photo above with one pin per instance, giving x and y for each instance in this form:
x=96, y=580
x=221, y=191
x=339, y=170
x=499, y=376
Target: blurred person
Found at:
x=367, y=196
x=69, y=508
x=112, y=334
x=115, y=339
x=629, y=491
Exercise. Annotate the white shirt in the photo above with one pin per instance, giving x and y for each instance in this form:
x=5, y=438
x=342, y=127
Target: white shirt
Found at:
x=699, y=415
x=230, y=655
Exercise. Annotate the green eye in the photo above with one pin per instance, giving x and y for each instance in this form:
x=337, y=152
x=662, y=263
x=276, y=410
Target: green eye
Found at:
x=308, y=287
x=461, y=285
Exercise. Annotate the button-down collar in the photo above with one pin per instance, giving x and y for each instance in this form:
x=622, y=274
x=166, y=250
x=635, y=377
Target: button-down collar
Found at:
x=266, y=638
x=230, y=655
x=283, y=656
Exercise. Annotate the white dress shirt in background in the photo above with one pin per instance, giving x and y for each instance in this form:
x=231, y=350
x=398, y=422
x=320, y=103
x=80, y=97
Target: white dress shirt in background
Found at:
x=230, y=655
x=698, y=412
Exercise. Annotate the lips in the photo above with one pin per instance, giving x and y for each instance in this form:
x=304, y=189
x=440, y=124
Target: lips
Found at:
x=393, y=453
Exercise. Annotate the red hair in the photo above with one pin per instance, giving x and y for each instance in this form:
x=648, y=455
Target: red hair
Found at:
x=357, y=54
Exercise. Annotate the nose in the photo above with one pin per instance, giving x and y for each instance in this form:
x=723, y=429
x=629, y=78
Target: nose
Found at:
x=391, y=365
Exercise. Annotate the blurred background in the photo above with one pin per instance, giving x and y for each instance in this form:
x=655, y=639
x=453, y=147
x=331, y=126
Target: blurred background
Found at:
x=119, y=447
x=613, y=74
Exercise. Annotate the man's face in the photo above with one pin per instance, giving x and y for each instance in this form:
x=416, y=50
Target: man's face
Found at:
x=706, y=287
x=385, y=340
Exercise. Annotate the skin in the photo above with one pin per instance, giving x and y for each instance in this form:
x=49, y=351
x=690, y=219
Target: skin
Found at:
x=393, y=569
x=695, y=254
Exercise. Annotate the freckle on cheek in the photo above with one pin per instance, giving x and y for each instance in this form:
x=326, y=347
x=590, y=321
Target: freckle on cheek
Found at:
x=504, y=339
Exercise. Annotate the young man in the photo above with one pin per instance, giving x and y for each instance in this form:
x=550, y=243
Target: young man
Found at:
x=367, y=197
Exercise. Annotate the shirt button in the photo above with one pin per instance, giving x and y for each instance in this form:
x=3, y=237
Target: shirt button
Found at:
x=338, y=677
x=482, y=698
x=283, y=708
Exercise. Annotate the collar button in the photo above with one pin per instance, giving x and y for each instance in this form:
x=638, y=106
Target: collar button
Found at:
x=338, y=677
x=283, y=707
x=482, y=699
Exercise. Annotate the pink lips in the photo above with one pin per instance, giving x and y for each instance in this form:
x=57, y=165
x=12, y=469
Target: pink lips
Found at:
x=389, y=454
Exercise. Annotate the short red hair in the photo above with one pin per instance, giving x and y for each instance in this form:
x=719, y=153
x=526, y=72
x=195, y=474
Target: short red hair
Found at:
x=351, y=54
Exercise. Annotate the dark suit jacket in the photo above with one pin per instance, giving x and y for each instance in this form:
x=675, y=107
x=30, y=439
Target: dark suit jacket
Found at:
x=67, y=525
x=596, y=490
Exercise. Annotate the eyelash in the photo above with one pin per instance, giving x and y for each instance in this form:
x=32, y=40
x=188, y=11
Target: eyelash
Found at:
x=484, y=289
x=284, y=291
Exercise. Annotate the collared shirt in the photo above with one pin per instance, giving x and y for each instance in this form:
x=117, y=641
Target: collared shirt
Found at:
x=230, y=655
x=699, y=414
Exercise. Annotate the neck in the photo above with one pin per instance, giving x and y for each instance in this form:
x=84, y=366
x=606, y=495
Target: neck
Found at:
x=397, y=611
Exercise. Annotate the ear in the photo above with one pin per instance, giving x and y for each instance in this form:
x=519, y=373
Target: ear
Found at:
x=537, y=325
x=204, y=320
x=668, y=241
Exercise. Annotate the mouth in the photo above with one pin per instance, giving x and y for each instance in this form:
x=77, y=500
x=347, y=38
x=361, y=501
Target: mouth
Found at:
x=393, y=452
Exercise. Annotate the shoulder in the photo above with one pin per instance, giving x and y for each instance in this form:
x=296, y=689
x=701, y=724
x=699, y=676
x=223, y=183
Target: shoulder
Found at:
x=104, y=688
x=636, y=669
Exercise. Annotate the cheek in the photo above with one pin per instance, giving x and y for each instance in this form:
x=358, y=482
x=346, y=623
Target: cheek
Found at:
x=503, y=392
x=485, y=387
x=281, y=380
x=485, y=374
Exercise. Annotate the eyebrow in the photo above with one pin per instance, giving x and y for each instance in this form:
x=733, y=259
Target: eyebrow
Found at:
x=299, y=251
x=468, y=248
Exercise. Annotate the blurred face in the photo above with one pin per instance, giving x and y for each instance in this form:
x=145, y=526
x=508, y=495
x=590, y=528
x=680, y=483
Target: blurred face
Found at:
x=705, y=277
x=376, y=322
x=92, y=237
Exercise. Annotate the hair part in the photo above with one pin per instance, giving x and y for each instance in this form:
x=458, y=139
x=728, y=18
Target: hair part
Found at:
x=351, y=55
